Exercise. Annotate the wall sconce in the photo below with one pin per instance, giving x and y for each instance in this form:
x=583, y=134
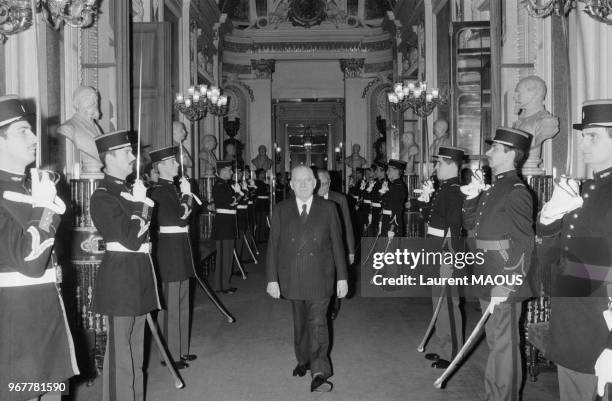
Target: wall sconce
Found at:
x=277, y=155
x=338, y=154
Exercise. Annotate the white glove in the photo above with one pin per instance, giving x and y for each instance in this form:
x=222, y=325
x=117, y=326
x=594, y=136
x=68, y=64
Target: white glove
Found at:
x=390, y=234
x=369, y=218
x=362, y=186
x=341, y=288
x=496, y=301
x=603, y=370
x=273, y=289
x=384, y=188
x=351, y=258
x=370, y=186
x=426, y=190
x=476, y=186
x=185, y=186
x=139, y=192
x=43, y=189
x=236, y=188
x=252, y=183
x=565, y=198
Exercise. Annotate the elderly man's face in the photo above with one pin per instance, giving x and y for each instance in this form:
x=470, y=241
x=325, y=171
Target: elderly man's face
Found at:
x=303, y=183
x=324, y=184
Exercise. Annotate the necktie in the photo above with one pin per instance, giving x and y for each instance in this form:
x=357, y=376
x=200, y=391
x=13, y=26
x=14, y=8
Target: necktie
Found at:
x=304, y=213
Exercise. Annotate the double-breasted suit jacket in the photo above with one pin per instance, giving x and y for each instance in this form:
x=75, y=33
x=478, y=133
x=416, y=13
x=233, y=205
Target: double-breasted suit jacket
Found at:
x=306, y=258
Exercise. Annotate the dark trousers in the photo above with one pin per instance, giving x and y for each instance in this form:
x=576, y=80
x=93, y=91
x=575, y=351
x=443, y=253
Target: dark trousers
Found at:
x=261, y=226
x=174, y=321
x=224, y=263
x=122, y=376
x=311, y=335
x=503, y=373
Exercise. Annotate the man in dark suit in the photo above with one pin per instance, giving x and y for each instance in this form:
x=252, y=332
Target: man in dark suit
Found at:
x=347, y=226
x=305, y=254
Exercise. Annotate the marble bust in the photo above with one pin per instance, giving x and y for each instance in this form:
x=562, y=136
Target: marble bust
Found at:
x=82, y=128
x=409, y=150
x=441, y=136
x=262, y=160
x=355, y=160
x=529, y=97
x=207, y=156
x=179, y=134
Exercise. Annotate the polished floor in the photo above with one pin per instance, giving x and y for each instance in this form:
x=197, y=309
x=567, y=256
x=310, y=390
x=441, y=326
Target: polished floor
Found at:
x=374, y=354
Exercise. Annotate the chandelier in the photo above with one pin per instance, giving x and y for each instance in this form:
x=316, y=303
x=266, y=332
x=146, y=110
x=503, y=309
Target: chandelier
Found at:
x=415, y=97
x=600, y=10
x=200, y=100
x=16, y=15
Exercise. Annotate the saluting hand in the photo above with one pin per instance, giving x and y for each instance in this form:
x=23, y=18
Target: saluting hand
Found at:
x=342, y=288
x=565, y=198
x=185, y=186
x=273, y=289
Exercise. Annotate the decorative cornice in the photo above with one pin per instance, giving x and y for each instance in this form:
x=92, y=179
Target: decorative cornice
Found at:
x=378, y=80
x=263, y=68
x=379, y=67
x=352, y=67
x=242, y=85
x=240, y=69
x=307, y=47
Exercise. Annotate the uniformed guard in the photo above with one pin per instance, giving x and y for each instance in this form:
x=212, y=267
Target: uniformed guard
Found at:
x=365, y=188
x=394, y=201
x=262, y=206
x=224, y=227
x=35, y=341
x=354, y=188
x=126, y=286
x=581, y=306
x=442, y=213
x=173, y=252
x=500, y=221
x=242, y=210
x=375, y=197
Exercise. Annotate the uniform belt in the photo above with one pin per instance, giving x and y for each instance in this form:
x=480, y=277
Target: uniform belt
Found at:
x=376, y=204
x=387, y=212
x=250, y=202
x=499, y=245
x=16, y=279
x=584, y=270
x=355, y=196
x=241, y=207
x=436, y=232
x=173, y=229
x=262, y=197
x=117, y=247
x=367, y=201
x=226, y=211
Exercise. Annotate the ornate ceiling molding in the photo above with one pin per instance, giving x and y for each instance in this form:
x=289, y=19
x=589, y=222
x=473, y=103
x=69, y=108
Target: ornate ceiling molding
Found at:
x=384, y=80
x=239, y=85
x=355, y=46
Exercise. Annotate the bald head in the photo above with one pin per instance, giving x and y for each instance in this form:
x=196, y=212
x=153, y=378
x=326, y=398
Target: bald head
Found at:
x=533, y=84
x=303, y=182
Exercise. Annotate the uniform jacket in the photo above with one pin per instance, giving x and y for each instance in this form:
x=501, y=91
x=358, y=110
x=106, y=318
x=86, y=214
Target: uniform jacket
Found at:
x=578, y=333
x=126, y=283
x=394, y=201
x=262, y=198
x=172, y=250
x=347, y=226
x=504, y=212
x=224, y=225
x=35, y=342
x=306, y=258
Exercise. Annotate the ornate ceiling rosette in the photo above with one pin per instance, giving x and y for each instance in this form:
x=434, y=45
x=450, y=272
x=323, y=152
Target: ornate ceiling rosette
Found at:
x=307, y=13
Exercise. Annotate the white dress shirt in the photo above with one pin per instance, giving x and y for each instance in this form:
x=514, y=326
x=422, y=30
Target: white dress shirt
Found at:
x=308, y=204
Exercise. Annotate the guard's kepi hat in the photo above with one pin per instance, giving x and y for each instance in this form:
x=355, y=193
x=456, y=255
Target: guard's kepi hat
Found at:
x=398, y=164
x=512, y=137
x=164, y=153
x=596, y=113
x=112, y=141
x=221, y=164
x=450, y=152
x=11, y=110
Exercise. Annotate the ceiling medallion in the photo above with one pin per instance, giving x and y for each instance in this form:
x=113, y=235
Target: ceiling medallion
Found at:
x=306, y=13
